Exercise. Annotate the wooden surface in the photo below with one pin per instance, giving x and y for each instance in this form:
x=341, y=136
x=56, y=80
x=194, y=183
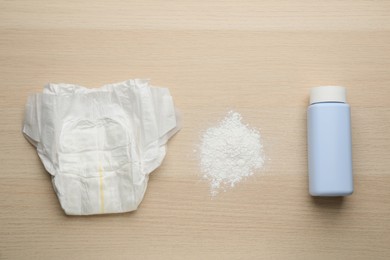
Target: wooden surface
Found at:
x=257, y=57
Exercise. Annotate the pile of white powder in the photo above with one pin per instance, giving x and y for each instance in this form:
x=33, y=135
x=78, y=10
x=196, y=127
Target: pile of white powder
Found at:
x=230, y=152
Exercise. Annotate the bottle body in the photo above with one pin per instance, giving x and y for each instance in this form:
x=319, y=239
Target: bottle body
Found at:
x=329, y=149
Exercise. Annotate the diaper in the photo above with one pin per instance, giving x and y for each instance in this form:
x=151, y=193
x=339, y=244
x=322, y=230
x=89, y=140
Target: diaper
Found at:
x=100, y=145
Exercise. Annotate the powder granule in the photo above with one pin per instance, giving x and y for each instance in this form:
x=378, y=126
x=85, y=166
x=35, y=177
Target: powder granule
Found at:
x=230, y=152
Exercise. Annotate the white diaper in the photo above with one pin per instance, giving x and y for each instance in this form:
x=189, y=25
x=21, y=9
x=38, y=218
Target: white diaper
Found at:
x=100, y=145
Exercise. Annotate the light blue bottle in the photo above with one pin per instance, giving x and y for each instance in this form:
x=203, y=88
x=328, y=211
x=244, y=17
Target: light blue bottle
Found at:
x=329, y=142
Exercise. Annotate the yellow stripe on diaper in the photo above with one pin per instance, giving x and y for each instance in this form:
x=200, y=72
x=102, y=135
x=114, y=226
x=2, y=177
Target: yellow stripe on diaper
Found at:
x=101, y=189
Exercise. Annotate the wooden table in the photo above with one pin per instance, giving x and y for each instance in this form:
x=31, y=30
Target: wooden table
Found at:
x=259, y=58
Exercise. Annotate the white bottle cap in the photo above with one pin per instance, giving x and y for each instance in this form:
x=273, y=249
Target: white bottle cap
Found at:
x=327, y=94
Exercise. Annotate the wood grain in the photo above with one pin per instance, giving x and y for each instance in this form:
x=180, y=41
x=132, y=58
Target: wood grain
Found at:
x=257, y=57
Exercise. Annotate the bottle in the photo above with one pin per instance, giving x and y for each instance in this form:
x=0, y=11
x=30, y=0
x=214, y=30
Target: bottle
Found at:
x=329, y=142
